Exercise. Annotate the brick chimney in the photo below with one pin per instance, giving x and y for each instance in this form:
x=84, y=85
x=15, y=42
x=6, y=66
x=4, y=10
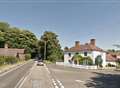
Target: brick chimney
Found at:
x=6, y=46
x=93, y=42
x=77, y=43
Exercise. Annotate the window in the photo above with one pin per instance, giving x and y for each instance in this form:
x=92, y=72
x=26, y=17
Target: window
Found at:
x=76, y=53
x=85, y=53
x=69, y=54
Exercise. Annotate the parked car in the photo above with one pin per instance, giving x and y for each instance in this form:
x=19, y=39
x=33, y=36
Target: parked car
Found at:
x=40, y=63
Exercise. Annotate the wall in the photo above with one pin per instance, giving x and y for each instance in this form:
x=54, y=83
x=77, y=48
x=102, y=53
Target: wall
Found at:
x=92, y=54
x=67, y=57
x=111, y=62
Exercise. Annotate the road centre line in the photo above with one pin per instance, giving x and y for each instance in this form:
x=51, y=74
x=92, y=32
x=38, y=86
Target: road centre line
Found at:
x=80, y=81
x=24, y=78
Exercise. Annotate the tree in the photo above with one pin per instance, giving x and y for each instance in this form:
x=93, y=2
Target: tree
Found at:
x=78, y=58
x=50, y=48
x=87, y=60
x=98, y=61
x=17, y=38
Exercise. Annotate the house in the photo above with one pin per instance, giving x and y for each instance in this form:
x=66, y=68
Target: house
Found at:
x=20, y=53
x=87, y=49
x=112, y=58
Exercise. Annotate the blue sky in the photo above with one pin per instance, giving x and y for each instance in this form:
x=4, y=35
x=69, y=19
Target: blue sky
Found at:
x=71, y=19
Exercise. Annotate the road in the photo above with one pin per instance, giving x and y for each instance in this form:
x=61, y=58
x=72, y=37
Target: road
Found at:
x=10, y=79
x=54, y=76
x=80, y=78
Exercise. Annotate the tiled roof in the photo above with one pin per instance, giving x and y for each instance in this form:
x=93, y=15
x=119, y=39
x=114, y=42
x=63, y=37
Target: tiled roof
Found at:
x=111, y=57
x=86, y=47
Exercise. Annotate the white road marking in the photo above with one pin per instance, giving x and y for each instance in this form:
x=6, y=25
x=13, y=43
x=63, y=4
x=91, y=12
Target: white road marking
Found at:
x=47, y=68
x=60, y=84
x=12, y=69
x=54, y=83
x=23, y=79
x=80, y=81
x=35, y=83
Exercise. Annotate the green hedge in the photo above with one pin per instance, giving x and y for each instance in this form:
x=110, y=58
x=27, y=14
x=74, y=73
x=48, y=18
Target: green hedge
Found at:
x=27, y=56
x=8, y=60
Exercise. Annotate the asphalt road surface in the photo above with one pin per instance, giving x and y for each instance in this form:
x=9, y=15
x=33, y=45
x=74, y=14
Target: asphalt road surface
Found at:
x=79, y=78
x=10, y=79
x=54, y=76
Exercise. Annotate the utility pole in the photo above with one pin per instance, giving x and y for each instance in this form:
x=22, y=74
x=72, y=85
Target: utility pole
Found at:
x=44, y=50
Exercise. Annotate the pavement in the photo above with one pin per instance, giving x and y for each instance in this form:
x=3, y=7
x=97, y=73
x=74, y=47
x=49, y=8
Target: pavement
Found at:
x=54, y=76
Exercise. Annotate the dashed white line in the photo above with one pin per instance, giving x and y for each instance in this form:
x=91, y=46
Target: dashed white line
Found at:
x=23, y=79
x=60, y=84
x=80, y=81
x=54, y=83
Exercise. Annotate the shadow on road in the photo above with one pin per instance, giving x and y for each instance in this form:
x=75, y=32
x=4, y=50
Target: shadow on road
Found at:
x=104, y=81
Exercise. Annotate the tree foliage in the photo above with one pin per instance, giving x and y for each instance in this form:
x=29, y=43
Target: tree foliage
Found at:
x=50, y=42
x=78, y=59
x=17, y=38
x=98, y=60
x=87, y=60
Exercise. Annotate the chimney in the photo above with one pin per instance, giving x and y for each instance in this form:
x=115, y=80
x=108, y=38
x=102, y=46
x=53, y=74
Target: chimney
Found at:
x=77, y=44
x=66, y=48
x=6, y=46
x=92, y=42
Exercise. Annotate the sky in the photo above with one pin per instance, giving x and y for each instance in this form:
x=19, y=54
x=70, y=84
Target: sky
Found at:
x=71, y=20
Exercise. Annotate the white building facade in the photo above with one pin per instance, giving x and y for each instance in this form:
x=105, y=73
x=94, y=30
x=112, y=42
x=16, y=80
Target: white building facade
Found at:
x=88, y=49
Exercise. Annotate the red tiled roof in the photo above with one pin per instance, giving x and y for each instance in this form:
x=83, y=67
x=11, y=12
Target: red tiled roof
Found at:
x=111, y=57
x=85, y=47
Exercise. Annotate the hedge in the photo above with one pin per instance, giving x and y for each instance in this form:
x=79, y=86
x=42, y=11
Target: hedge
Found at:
x=27, y=56
x=8, y=60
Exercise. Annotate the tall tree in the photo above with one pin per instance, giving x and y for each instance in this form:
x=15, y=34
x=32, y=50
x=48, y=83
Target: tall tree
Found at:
x=17, y=38
x=50, y=47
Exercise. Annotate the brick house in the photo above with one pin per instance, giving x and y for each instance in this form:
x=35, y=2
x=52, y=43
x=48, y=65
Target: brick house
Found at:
x=20, y=53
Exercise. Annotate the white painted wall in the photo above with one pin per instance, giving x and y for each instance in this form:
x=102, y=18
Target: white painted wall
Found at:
x=111, y=62
x=92, y=54
x=67, y=57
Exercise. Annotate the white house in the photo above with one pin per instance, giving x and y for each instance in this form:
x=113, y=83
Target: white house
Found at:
x=87, y=49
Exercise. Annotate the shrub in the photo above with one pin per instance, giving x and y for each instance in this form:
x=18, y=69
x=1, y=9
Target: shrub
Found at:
x=110, y=65
x=87, y=60
x=10, y=59
x=27, y=56
x=7, y=60
x=98, y=60
x=2, y=60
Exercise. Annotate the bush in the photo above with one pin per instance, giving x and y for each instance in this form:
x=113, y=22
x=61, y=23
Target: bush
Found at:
x=11, y=59
x=8, y=60
x=88, y=60
x=2, y=60
x=27, y=56
x=110, y=65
